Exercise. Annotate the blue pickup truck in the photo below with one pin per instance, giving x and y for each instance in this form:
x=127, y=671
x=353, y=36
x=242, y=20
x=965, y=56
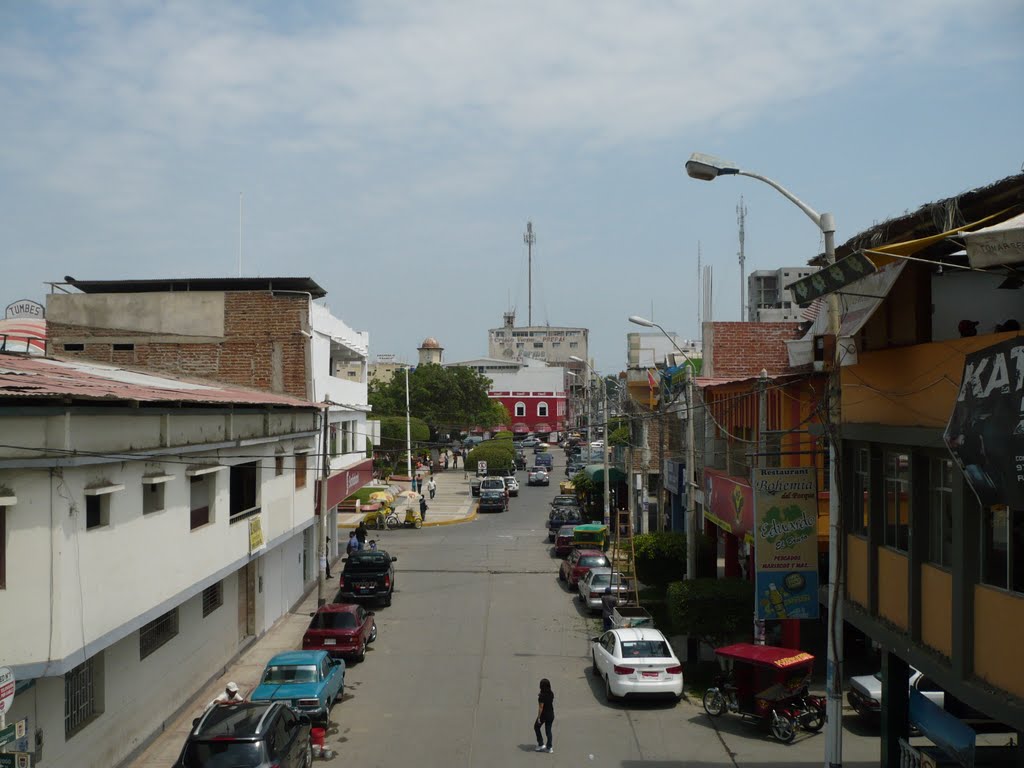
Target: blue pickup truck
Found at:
x=309, y=681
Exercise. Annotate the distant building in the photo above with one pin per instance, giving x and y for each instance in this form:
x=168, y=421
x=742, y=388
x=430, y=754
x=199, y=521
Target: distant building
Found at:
x=654, y=350
x=554, y=345
x=431, y=352
x=768, y=296
x=535, y=394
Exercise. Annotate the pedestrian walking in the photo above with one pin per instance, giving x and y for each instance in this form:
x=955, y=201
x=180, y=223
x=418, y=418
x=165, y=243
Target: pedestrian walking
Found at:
x=431, y=487
x=545, y=715
x=361, y=533
x=423, y=509
x=353, y=543
x=444, y=460
x=455, y=459
x=327, y=559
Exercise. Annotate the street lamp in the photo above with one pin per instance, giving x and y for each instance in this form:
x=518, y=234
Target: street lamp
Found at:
x=708, y=168
x=691, y=507
x=604, y=448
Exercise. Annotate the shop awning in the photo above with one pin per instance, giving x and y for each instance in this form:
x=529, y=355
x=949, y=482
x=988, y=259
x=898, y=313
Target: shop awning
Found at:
x=1002, y=243
x=595, y=472
x=520, y=427
x=542, y=427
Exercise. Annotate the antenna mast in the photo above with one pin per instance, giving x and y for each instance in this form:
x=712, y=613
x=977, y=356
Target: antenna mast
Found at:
x=741, y=218
x=239, y=234
x=529, y=238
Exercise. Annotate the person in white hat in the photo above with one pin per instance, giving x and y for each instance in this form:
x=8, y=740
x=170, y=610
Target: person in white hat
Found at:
x=231, y=695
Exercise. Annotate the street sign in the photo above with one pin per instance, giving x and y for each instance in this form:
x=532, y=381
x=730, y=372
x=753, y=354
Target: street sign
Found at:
x=6, y=689
x=15, y=760
x=13, y=732
x=481, y=468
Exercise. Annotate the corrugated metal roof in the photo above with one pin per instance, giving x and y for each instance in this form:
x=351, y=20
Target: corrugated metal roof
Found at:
x=24, y=377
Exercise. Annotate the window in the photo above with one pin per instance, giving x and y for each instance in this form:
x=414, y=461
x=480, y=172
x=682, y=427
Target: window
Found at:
x=123, y=347
x=334, y=440
x=83, y=695
x=574, y=345
x=278, y=466
x=940, y=513
x=860, y=492
x=97, y=511
x=300, y=470
x=74, y=347
x=213, y=598
x=538, y=345
x=542, y=409
x=1002, y=543
x=520, y=410
x=556, y=344
x=152, y=498
x=157, y=632
x=897, y=501
x=244, y=489
x=199, y=501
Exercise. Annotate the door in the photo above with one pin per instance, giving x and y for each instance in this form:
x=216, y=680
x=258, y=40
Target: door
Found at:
x=246, y=601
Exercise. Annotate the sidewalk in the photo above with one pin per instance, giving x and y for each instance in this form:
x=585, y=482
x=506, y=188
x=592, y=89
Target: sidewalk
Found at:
x=285, y=635
x=452, y=502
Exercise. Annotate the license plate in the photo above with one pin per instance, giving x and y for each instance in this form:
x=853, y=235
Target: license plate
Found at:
x=330, y=641
x=364, y=587
x=651, y=674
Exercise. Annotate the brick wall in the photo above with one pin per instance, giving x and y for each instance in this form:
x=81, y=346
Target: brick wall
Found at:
x=261, y=331
x=743, y=349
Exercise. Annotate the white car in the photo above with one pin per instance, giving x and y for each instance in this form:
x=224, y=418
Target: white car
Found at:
x=865, y=694
x=513, y=485
x=636, y=661
x=600, y=582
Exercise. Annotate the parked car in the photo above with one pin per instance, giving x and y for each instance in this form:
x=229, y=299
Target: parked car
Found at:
x=308, y=681
x=565, y=500
x=563, y=540
x=579, y=561
x=531, y=442
x=513, y=485
x=599, y=582
x=368, y=574
x=636, y=662
x=560, y=516
x=255, y=735
x=538, y=476
x=865, y=696
x=493, y=495
x=341, y=629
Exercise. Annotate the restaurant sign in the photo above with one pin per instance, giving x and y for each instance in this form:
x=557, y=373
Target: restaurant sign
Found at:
x=786, y=542
x=985, y=433
x=729, y=504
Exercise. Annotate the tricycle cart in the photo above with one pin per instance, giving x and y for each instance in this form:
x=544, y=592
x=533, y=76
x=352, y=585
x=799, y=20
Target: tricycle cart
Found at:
x=767, y=685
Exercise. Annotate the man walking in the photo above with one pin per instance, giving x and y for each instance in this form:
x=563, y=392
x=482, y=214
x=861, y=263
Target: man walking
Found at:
x=423, y=509
x=431, y=487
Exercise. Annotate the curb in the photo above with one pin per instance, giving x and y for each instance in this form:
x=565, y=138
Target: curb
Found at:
x=468, y=519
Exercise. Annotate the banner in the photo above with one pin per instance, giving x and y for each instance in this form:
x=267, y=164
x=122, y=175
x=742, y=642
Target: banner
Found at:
x=985, y=433
x=786, y=542
x=728, y=503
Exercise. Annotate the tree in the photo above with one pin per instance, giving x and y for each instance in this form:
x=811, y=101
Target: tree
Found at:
x=619, y=437
x=447, y=399
x=660, y=558
x=393, y=438
x=497, y=453
x=715, y=611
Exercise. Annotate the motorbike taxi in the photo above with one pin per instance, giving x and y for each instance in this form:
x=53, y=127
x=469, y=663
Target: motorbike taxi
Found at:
x=413, y=519
x=766, y=685
x=590, y=536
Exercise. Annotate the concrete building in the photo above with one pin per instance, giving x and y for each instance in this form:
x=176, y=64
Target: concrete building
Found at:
x=768, y=296
x=150, y=529
x=553, y=345
x=654, y=350
x=431, y=352
x=265, y=333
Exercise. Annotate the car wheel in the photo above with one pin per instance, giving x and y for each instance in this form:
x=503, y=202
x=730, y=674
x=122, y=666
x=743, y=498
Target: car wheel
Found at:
x=561, y=575
x=373, y=633
x=608, y=690
x=361, y=656
x=387, y=599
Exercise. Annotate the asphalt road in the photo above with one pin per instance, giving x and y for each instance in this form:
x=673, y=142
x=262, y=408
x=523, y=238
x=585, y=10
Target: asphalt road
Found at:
x=478, y=618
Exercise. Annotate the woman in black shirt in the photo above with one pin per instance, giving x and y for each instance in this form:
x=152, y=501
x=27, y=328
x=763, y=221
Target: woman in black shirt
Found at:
x=545, y=715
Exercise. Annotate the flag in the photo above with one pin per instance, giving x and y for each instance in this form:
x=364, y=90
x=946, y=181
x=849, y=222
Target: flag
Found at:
x=651, y=381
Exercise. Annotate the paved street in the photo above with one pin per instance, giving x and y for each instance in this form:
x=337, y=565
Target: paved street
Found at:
x=479, y=617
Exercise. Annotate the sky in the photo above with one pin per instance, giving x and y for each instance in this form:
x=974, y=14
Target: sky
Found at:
x=394, y=151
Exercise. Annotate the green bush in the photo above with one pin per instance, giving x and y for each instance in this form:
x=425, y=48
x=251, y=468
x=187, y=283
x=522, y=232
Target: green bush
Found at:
x=619, y=436
x=497, y=453
x=715, y=611
x=660, y=558
x=506, y=435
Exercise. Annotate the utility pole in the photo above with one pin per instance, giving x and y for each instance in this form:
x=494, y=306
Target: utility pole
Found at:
x=529, y=238
x=325, y=472
x=408, y=434
x=762, y=447
x=741, y=218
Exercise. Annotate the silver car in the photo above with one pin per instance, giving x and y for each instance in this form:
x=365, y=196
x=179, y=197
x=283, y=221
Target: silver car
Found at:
x=599, y=582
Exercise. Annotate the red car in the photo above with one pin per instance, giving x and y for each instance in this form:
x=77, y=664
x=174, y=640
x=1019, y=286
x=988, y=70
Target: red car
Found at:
x=563, y=540
x=579, y=561
x=341, y=629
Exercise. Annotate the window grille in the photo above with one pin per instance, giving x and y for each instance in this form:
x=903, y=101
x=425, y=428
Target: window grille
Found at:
x=80, y=704
x=213, y=598
x=157, y=632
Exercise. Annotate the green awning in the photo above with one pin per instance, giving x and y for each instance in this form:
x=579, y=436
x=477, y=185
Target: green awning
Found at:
x=596, y=474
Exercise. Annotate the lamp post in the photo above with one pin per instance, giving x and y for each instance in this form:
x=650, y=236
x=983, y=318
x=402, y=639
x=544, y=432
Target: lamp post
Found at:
x=408, y=434
x=707, y=168
x=692, y=532
x=604, y=447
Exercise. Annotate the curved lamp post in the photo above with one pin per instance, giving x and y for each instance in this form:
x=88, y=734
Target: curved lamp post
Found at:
x=604, y=448
x=708, y=168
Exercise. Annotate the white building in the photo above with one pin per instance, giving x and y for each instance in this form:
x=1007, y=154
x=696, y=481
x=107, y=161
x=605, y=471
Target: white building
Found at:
x=150, y=529
x=655, y=350
x=768, y=297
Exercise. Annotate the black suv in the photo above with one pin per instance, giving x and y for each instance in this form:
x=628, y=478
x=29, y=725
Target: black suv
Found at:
x=250, y=734
x=368, y=574
x=563, y=515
